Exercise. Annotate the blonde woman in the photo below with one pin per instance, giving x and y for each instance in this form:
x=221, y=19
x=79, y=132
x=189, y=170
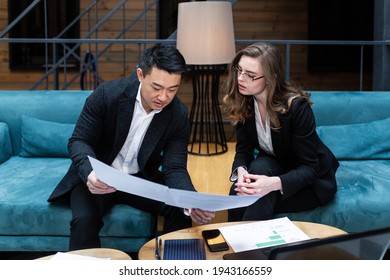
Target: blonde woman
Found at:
x=279, y=155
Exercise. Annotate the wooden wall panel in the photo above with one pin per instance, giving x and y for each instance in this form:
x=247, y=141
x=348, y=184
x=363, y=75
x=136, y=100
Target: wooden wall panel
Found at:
x=253, y=20
x=111, y=64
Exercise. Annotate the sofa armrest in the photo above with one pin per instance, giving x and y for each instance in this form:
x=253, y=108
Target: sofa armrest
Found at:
x=5, y=143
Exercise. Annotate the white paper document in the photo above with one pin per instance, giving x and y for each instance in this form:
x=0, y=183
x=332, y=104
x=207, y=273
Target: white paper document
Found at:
x=60, y=256
x=174, y=197
x=254, y=235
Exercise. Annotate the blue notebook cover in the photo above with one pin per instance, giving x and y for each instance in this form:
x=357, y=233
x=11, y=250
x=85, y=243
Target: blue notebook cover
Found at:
x=184, y=249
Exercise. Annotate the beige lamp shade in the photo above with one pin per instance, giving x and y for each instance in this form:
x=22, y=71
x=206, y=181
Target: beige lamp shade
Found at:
x=205, y=33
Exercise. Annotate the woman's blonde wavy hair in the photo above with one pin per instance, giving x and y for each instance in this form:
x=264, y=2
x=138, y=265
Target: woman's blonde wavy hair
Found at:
x=281, y=93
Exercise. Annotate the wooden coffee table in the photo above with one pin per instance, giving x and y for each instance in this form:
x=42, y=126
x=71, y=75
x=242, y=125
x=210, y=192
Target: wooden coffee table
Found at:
x=148, y=250
x=103, y=253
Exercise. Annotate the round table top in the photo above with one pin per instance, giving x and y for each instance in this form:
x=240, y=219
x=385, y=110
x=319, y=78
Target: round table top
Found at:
x=148, y=250
x=103, y=253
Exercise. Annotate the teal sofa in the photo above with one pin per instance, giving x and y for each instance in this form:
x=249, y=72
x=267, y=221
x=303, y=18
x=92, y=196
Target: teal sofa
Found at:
x=35, y=127
x=34, y=130
x=356, y=127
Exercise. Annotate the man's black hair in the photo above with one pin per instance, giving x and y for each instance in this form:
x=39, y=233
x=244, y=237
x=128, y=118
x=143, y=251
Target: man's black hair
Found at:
x=164, y=57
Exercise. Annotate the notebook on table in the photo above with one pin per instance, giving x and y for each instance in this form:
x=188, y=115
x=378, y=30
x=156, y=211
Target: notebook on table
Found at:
x=184, y=249
x=367, y=245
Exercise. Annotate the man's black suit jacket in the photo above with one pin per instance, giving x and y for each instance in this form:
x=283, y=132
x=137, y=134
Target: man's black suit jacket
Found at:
x=304, y=157
x=103, y=126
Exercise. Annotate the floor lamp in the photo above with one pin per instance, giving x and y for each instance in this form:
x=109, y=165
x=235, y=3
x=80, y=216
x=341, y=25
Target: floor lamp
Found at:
x=205, y=37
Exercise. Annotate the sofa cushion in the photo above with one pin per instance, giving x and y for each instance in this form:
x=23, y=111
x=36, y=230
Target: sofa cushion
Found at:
x=57, y=243
x=5, y=143
x=361, y=202
x=25, y=185
x=358, y=141
x=62, y=106
x=42, y=138
x=350, y=107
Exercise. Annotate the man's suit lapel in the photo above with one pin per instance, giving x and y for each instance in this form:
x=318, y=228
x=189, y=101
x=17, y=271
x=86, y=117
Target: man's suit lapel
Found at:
x=125, y=116
x=153, y=135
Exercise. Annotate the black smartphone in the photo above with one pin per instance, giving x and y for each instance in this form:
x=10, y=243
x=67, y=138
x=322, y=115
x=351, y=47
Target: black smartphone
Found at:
x=214, y=240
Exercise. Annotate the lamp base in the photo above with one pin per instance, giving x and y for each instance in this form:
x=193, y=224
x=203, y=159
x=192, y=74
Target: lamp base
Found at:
x=207, y=133
x=206, y=149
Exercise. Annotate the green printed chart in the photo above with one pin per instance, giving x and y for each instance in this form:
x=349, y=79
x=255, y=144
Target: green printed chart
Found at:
x=249, y=236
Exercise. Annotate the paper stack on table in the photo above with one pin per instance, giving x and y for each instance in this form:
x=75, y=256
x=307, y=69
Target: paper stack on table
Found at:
x=254, y=235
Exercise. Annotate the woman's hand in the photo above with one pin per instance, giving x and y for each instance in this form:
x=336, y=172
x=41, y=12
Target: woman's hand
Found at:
x=241, y=171
x=98, y=187
x=259, y=185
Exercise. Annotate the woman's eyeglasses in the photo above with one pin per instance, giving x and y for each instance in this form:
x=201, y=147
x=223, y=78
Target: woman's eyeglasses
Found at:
x=247, y=76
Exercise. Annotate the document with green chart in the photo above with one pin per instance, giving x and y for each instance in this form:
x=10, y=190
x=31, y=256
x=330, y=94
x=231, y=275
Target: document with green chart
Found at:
x=254, y=235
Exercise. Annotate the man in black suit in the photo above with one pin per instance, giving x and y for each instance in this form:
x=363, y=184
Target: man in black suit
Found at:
x=139, y=127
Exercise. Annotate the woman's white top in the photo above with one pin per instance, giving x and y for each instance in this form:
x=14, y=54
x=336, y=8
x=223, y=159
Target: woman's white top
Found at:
x=263, y=133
